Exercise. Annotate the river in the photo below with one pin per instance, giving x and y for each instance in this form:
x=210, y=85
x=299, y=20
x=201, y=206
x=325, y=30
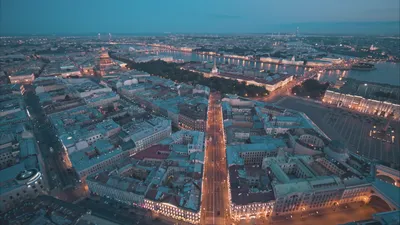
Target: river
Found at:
x=385, y=72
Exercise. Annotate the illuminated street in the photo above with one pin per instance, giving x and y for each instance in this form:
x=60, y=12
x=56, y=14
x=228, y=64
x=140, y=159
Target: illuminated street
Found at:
x=353, y=213
x=215, y=189
x=62, y=178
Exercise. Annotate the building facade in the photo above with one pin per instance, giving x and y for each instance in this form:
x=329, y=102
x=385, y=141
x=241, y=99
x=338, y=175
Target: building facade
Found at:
x=22, y=78
x=364, y=105
x=172, y=211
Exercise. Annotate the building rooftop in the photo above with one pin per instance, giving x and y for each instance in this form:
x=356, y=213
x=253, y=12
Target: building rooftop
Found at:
x=101, y=150
x=386, y=218
x=389, y=191
x=113, y=180
x=160, y=152
x=233, y=151
x=14, y=118
x=98, y=97
x=82, y=85
x=44, y=210
x=305, y=185
x=242, y=192
x=137, y=131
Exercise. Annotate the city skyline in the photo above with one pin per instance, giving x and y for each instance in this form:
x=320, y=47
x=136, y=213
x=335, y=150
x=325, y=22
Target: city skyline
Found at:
x=136, y=17
x=200, y=112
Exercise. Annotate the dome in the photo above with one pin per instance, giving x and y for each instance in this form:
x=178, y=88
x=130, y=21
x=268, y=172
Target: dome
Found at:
x=127, y=82
x=28, y=176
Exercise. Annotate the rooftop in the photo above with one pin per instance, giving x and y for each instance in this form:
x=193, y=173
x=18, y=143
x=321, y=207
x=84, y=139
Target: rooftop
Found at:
x=160, y=152
x=32, y=212
x=233, y=151
x=101, y=150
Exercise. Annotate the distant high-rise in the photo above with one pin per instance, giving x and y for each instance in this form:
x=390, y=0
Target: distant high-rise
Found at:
x=109, y=36
x=297, y=32
x=99, y=36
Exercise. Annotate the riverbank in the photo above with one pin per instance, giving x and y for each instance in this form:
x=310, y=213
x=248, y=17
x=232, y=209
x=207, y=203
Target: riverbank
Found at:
x=385, y=72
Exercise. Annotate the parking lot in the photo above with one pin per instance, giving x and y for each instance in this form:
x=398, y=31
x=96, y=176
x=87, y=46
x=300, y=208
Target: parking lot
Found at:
x=351, y=128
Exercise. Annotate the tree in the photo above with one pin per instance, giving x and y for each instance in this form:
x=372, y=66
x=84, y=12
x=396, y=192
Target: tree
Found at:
x=172, y=71
x=310, y=88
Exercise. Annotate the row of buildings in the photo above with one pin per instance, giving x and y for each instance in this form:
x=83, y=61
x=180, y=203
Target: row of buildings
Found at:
x=165, y=178
x=370, y=98
x=84, y=118
x=323, y=62
x=123, y=147
x=270, y=82
x=185, y=105
x=74, y=64
x=21, y=165
x=49, y=210
x=280, y=163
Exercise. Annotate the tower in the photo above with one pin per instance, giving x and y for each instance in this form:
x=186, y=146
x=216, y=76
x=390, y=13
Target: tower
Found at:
x=98, y=36
x=109, y=36
x=297, y=32
x=214, y=69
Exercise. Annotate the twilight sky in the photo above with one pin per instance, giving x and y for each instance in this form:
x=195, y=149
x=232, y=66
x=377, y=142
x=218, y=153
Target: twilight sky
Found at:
x=186, y=16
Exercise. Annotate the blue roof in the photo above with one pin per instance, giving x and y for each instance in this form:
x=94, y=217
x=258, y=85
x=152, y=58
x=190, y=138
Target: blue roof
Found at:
x=258, y=125
x=81, y=161
x=228, y=123
x=389, y=191
x=232, y=151
x=183, y=149
x=288, y=118
x=103, y=145
x=197, y=156
x=198, y=167
x=176, y=157
x=11, y=172
x=391, y=217
x=270, y=146
x=27, y=147
x=264, y=139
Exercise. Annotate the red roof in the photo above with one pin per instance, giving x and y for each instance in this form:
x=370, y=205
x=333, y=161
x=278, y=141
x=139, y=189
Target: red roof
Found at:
x=154, y=152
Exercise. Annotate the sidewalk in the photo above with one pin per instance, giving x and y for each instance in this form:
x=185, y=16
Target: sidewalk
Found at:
x=317, y=212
